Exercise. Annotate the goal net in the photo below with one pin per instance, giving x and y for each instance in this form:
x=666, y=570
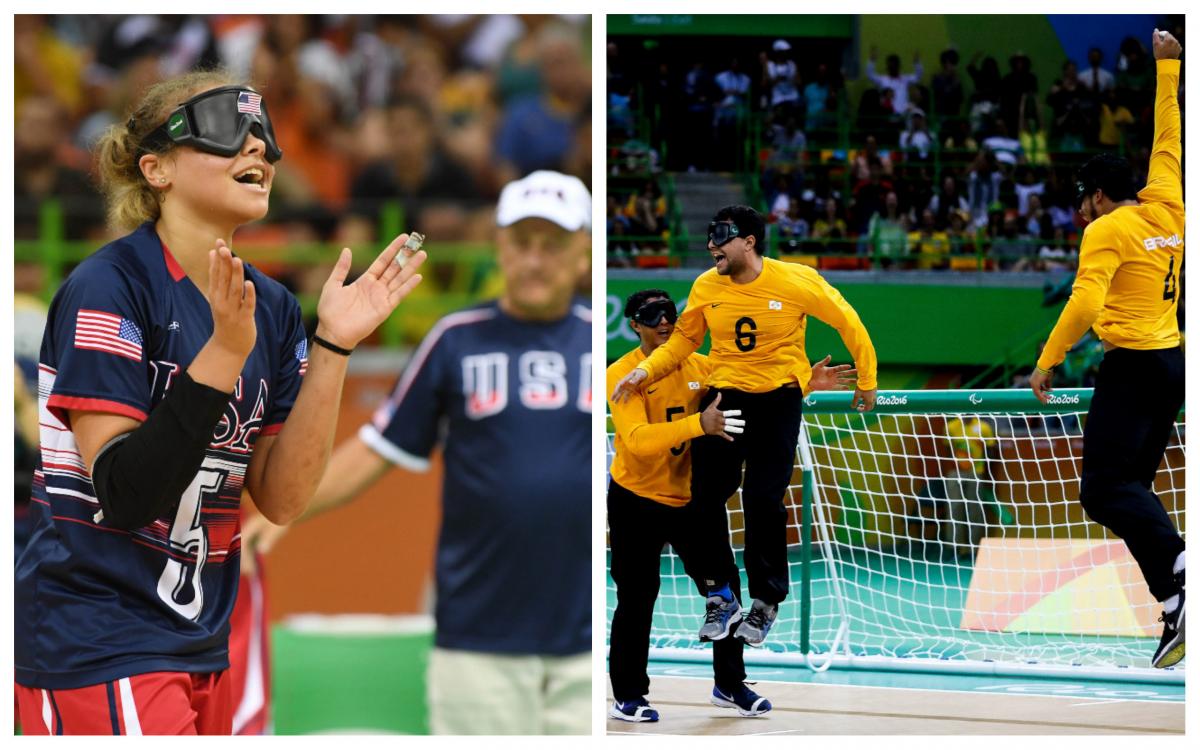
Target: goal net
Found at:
x=943, y=531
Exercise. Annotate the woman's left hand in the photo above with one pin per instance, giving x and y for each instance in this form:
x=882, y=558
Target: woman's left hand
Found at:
x=347, y=314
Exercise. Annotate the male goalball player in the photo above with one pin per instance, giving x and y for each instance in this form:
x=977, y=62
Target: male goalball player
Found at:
x=757, y=310
x=648, y=506
x=1127, y=290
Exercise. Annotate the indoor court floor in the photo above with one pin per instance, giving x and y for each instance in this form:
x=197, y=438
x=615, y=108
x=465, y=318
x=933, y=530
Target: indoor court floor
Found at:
x=861, y=702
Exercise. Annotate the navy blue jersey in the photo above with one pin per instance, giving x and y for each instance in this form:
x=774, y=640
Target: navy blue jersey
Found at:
x=95, y=603
x=511, y=403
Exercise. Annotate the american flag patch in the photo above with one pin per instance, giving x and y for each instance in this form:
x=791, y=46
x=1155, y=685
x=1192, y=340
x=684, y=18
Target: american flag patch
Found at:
x=105, y=332
x=302, y=355
x=250, y=103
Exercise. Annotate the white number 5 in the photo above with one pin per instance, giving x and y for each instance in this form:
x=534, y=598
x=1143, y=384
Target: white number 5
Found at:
x=189, y=539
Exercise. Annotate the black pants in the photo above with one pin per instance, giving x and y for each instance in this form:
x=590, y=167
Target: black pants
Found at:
x=1137, y=398
x=768, y=450
x=637, y=530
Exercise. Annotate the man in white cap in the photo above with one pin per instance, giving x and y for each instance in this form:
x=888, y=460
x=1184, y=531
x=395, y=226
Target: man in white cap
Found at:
x=779, y=77
x=505, y=388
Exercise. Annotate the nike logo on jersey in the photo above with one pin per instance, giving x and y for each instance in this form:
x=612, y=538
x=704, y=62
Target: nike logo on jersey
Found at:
x=650, y=390
x=773, y=305
x=716, y=304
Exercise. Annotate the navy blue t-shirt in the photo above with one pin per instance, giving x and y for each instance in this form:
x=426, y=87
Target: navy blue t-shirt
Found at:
x=95, y=603
x=511, y=403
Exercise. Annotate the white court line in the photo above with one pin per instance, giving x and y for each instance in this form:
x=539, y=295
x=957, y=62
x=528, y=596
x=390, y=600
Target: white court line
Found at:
x=1101, y=701
x=933, y=690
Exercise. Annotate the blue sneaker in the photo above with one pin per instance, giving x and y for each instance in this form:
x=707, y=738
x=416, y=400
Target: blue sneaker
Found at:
x=757, y=624
x=720, y=615
x=638, y=710
x=746, y=701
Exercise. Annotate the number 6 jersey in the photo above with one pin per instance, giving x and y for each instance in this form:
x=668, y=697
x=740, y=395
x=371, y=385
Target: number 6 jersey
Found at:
x=95, y=603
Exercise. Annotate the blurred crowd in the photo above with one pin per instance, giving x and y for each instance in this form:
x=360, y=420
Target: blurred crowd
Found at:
x=919, y=169
x=431, y=113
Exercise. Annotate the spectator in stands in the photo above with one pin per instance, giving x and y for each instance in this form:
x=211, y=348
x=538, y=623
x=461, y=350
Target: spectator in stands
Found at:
x=733, y=99
x=1033, y=135
x=696, y=135
x=1034, y=217
x=816, y=97
x=985, y=75
x=647, y=211
x=948, y=201
x=947, y=86
x=537, y=131
x=887, y=235
x=1019, y=81
x=46, y=65
x=617, y=226
x=1095, y=78
x=893, y=80
x=958, y=136
x=1115, y=118
x=786, y=159
x=871, y=157
x=1009, y=249
x=830, y=226
x=792, y=226
x=1135, y=78
x=869, y=197
x=916, y=140
x=734, y=88
x=962, y=238
x=781, y=79
x=983, y=186
x=1007, y=149
x=1074, y=111
x=1028, y=183
x=40, y=132
x=413, y=168
x=929, y=245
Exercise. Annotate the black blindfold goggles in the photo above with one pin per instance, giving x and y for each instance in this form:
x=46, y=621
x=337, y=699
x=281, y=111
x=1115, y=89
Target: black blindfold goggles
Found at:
x=652, y=312
x=217, y=122
x=721, y=232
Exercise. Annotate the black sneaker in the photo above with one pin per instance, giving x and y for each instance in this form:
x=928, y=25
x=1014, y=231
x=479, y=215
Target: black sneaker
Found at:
x=746, y=701
x=758, y=623
x=720, y=615
x=1171, y=648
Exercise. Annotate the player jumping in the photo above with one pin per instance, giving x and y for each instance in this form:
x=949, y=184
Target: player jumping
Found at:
x=648, y=506
x=756, y=309
x=171, y=377
x=1127, y=290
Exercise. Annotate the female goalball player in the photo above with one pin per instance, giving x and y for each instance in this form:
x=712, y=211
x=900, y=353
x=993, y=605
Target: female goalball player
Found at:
x=171, y=377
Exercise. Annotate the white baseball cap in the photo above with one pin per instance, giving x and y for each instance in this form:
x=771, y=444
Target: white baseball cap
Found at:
x=553, y=196
x=781, y=46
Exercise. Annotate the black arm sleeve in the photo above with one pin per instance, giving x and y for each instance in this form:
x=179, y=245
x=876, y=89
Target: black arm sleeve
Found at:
x=140, y=475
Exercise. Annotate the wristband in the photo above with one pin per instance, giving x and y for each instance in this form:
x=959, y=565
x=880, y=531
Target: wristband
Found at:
x=1044, y=371
x=331, y=346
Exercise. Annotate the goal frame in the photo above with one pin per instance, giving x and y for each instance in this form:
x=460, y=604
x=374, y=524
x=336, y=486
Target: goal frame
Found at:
x=816, y=531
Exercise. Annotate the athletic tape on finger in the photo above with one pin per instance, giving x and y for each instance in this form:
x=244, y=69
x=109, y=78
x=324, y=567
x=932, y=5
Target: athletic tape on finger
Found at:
x=409, y=248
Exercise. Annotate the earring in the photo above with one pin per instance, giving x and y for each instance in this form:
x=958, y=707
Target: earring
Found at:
x=162, y=180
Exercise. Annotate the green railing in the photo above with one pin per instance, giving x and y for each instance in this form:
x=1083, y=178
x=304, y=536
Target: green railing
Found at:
x=456, y=275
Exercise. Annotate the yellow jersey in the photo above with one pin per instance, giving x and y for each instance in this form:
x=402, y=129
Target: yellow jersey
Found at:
x=654, y=427
x=758, y=329
x=1129, y=260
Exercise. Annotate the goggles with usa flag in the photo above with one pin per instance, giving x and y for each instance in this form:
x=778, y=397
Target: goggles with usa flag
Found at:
x=217, y=121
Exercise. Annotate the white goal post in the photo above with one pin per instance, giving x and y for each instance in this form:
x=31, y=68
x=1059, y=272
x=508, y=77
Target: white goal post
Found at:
x=942, y=531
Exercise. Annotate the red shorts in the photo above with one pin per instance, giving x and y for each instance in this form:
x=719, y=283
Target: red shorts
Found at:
x=153, y=703
x=249, y=655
